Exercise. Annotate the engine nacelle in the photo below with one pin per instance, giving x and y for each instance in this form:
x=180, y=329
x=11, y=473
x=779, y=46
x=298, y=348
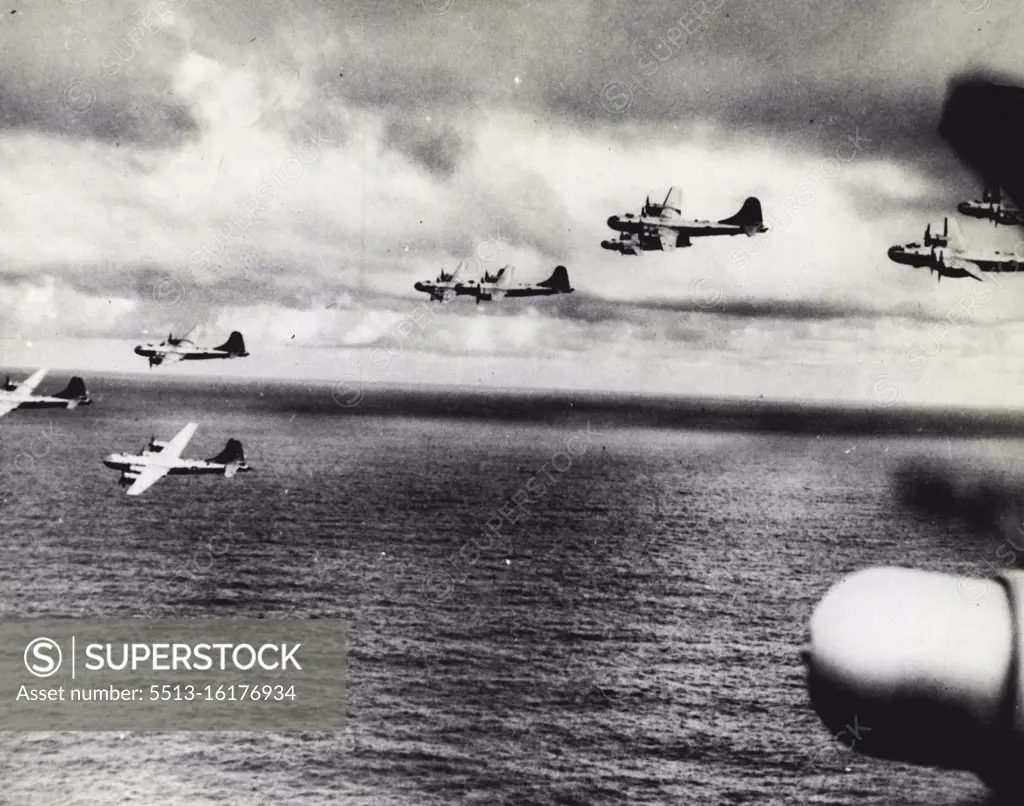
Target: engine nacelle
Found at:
x=625, y=223
x=625, y=247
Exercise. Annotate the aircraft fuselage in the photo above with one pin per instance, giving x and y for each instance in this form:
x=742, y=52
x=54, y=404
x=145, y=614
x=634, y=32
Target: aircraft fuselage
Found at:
x=483, y=293
x=643, y=234
x=993, y=211
x=42, y=401
x=125, y=462
x=157, y=352
x=647, y=226
x=935, y=259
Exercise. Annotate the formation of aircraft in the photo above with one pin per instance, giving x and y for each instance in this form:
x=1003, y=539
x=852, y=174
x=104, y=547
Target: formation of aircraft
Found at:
x=662, y=226
x=657, y=227
x=20, y=395
x=158, y=459
x=493, y=287
x=949, y=255
x=186, y=349
x=979, y=121
x=991, y=206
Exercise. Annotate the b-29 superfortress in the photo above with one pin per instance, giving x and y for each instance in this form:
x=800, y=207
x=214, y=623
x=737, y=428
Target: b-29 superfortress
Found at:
x=20, y=395
x=948, y=255
x=493, y=287
x=662, y=226
x=992, y=207
x=187, y=349
x=158, y=459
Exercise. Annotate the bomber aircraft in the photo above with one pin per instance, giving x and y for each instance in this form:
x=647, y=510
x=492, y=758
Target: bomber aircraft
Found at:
x=948, y=255
x=186, y=349
x=158, y=459
x=662, y=226
x=19, y=395
x=992, y=207
x=494, y=287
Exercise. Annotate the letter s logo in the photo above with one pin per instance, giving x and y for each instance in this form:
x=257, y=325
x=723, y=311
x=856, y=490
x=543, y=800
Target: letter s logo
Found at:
x=39, y=658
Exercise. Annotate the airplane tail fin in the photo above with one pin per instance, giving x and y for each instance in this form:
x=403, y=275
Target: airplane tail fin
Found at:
x=232, y=454
x=749, y=217
x=8, y=386
x=992, y=193
x=234, y=345
x=558, y=281
x=75, y=392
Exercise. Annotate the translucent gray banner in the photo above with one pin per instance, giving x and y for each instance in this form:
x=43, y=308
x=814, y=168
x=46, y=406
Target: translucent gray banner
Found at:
x=209, y=674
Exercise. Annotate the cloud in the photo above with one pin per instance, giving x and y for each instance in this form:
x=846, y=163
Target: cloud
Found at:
x=291, y=171
x=438, y=148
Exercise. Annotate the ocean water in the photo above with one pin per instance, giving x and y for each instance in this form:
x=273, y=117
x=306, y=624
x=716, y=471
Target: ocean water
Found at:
x=633, y=637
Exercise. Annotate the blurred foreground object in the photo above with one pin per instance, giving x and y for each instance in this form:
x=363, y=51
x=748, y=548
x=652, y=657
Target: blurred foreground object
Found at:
x=983, y=122
x=928, y=665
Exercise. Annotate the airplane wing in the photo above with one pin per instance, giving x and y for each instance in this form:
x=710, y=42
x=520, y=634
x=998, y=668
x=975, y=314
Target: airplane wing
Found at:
x=147, y=477
x=668, y=238
x=27, y=386
x=172, y=358
x=969, y=267
x=7, y=406
x=459, y=274
x=673, y=200
x=13, y=399
x=191, y=336
x=173, y=449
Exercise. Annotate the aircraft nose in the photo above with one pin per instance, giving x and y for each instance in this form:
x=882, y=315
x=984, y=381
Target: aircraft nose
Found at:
x=615, y=222
x=138, y=350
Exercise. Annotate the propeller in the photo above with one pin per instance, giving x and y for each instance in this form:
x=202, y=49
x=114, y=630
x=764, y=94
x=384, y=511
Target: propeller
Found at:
x=938, y=262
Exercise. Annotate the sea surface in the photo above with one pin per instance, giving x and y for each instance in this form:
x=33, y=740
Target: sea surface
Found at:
x=633, y=638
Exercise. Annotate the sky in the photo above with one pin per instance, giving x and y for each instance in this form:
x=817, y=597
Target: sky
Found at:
x=291, y=169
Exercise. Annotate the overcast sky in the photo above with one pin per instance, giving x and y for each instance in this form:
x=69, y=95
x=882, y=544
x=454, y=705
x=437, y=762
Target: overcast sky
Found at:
x=290, y=169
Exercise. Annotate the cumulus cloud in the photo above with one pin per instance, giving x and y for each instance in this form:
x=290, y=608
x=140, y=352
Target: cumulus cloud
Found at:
x=292, y=171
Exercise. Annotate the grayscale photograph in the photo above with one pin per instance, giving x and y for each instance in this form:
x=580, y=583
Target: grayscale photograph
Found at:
x=430, y=402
